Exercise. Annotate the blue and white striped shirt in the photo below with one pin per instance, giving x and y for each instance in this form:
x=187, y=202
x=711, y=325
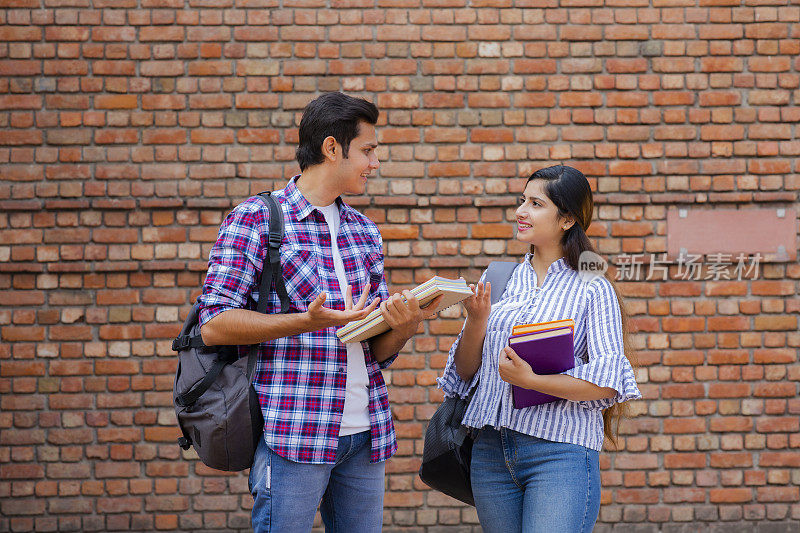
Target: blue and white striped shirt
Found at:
x=599, y=356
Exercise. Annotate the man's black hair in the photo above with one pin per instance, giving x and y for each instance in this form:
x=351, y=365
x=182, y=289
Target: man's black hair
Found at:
x=332, y=114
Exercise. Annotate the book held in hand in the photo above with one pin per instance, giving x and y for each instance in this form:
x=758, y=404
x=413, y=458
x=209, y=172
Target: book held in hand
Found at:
x=541, y=326
x=548, y=348
x=453, y=291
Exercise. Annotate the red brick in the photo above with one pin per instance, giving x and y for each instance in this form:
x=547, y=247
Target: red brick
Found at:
x=161, y=434
x=399, y=232
x=627, y=65
x=721, y=64
x=492, y=231
x=776, y=323
x=766, y=31
x=16, y=67
x=163, y=101
x=680, y=495
x=630, y=168
x=211, y=101
x=20, y=101
x=772, y=425
x=434, y=100
x=212, y=136
x=399, y=135
x=66, y=33
x=730, y=495
x=20, y=33
x=116, y=367
x=778, y=494
x=774, y=355
x=17, y=138
x=580, y=99
x=114, y=33
x=683, y=391
x=119, y=504
x=394, y=101
x=774, y=390
x=164, y=136
x=535, y=66
x=684, y=460
x=436, y=135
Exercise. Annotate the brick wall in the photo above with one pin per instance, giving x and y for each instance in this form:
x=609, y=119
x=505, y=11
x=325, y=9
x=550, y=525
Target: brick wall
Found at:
x=130, y=127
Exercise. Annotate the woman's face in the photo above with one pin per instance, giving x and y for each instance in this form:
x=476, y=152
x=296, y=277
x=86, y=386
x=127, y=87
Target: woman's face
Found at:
x=538, y=222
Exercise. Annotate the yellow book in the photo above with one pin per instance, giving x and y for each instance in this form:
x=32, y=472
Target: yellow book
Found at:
x=453, y=291
x=521, y=329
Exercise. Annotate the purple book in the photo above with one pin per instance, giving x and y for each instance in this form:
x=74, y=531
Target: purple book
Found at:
x=548, y=352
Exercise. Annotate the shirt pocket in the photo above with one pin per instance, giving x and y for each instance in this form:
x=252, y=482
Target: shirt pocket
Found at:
x=300, y=275
x=362, y=268
x=373, y=273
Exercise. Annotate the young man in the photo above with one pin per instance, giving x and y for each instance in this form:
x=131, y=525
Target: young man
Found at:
x=327, y=424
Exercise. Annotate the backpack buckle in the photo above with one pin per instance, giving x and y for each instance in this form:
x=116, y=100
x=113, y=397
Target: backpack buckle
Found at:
x=180, y=343
x=274, y=240
x=184, y=443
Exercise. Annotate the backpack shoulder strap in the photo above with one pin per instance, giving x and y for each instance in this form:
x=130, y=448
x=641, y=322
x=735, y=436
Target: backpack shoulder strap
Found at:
x=498, y=273
x=271, y=271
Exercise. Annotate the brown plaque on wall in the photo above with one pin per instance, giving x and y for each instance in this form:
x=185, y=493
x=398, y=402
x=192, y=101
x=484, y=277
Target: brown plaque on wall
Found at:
x=771, y=232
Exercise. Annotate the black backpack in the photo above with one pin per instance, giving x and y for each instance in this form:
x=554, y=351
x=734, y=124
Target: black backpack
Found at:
x=216, y=405
x=447, y=449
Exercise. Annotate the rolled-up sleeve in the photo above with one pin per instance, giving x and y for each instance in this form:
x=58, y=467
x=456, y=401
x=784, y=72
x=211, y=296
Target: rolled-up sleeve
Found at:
x=378, y=288
x=607, y=366
x=450, y=382
x=235, y=261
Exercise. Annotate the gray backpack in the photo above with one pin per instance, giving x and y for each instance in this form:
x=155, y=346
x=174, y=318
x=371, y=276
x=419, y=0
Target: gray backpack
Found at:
x=217, y=407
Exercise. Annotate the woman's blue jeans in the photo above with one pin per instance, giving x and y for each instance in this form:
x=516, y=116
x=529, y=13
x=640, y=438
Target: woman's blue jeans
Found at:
x=526, y=484
x=349, y=492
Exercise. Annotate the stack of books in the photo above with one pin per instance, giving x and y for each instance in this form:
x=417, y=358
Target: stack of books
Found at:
x=454, y=290
x=548, y=348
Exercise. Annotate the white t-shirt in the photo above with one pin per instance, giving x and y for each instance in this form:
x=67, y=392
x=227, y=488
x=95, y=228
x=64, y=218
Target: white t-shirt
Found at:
x=355, y=418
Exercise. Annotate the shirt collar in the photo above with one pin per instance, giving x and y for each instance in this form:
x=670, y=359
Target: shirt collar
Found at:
x=557, y=266
x=301, y=207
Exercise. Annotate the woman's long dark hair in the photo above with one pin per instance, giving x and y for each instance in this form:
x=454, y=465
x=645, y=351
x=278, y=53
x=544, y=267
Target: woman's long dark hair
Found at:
x=569, y=190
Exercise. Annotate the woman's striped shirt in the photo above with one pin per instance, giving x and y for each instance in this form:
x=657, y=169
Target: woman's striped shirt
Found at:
x=599, y=355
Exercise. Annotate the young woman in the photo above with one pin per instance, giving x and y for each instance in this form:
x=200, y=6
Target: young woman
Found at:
x=536, y=469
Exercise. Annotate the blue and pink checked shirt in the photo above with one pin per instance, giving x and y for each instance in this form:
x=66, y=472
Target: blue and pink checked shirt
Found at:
x=301, y=380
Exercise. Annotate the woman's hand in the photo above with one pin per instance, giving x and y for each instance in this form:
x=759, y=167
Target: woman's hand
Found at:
x=514, y=370
x=479, y=305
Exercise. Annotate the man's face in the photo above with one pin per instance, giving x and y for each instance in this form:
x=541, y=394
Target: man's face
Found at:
x=361, y=162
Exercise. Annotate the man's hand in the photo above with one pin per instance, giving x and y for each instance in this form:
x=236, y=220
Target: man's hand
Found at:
x=403, y=314
x=322, y=317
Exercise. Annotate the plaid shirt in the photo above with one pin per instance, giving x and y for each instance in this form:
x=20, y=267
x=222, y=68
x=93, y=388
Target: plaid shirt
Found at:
x=300, y=380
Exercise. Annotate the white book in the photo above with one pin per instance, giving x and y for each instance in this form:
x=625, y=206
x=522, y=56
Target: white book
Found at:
x=453, y=291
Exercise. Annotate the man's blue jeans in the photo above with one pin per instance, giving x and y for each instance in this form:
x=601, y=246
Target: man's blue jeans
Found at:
x=286, y=494
x=525, y=484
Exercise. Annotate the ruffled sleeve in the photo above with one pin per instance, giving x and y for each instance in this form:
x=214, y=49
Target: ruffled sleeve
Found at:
x=607, y=365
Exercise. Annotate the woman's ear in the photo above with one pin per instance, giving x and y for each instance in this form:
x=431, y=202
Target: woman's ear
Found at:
x=566, y=223
x=329, y=148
